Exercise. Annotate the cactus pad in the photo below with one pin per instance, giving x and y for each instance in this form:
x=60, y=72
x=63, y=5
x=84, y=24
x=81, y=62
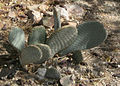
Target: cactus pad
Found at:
x=90, y=34
x=30, y=54
x=46, y=52
x=17, y=38
x=61, y=39
x=57, y=22
x=52, y=73
x=77, y=57
x=38, y=35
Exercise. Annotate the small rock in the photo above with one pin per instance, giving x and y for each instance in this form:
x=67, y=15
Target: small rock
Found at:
x=11, y=14
x=68, y=80
x=52, y=73
x=35, y=16
x=75, y=10
x=41, y=73
x=63, y=12
x=48, y=21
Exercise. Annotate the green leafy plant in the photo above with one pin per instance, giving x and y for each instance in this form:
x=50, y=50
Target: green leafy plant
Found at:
x=64, y=40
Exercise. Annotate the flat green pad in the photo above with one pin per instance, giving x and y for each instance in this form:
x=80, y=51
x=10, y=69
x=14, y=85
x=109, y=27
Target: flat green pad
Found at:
x=52, y=73
x=61, y=39
x=46, y=52
x=90, y=34
x=38, y=35
x=56, y=15
x=30, y=54
x=77, y=57
x=17, y=38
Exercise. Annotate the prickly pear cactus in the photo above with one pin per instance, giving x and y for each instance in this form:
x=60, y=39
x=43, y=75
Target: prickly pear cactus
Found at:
x=56, y=15
x=77, y=57
x=17, y=38
x=61, y=39
x=52, y=73
x=46, y=52
x=90, y=34
x=30, y=54
x=38, y=35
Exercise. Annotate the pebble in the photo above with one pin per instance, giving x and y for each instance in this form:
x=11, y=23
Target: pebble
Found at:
x=64, y=13
x=75, y=10
x=68, y=80
x=48, y=21
x=35, y=16
x=12, y=14
x=41, y=73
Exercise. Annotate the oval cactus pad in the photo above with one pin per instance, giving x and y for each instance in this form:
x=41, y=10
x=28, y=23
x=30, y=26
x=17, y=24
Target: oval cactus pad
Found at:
x=90, y=34
x=61, y=38
x=56, y=15
x=38, y=35
x=17, y=38
x=96, y=33
x=30, y=54
x=46, y=52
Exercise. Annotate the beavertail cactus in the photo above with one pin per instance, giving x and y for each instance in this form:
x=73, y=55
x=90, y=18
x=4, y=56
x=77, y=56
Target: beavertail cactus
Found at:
x=56, y=15
x=30, y=54
x=52, y=73
x=46, y=52
x=90, y=34
x=61, y=39
x=77, y=57
x=17, y=38
x=38, y=35
x=64, y=40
